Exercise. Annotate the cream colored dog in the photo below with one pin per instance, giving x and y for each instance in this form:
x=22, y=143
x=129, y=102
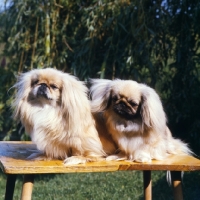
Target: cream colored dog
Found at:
x=55, y=111
x=130, y=119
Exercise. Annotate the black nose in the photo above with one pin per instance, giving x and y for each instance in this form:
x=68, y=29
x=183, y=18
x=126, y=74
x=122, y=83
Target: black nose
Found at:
x=42, y=89
x=124, y=110
x=122, y=104
x=43, y=86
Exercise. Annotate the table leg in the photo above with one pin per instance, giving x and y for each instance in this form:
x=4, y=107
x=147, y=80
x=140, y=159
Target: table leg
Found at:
x=10, y=186
x=27, y=187
x=177, y=185
x=147, y=185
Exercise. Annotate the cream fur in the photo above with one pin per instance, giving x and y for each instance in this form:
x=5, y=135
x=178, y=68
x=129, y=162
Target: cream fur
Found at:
x=142, y=138
x=61, y=125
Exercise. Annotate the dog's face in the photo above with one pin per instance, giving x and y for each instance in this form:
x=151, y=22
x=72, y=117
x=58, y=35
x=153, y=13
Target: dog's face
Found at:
x=128, y=102
x=45, y=87
x=125, y=100
x=45, y=90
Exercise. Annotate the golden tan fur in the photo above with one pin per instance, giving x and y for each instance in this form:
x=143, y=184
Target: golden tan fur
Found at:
x=134, y=118
x=55, y=111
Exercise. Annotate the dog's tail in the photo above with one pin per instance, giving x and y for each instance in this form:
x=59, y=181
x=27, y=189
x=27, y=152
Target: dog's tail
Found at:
x=177, y=146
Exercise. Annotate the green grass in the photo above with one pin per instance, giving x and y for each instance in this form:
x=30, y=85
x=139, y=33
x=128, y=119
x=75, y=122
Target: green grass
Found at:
x=104, y=186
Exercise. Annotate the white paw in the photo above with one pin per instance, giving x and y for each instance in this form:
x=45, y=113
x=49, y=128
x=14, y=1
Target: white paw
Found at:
x=75, y=160
x=112, y=157
x=142, y=157
x=116, y=157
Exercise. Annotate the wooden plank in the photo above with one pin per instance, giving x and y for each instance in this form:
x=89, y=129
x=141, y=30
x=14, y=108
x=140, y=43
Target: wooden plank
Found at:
x=13, y=161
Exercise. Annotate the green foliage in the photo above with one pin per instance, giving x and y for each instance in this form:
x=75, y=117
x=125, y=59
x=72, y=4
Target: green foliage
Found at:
x=156, y=42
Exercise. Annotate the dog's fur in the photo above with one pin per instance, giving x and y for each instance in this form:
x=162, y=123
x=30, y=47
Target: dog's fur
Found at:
x=54, y=109
x=130, y=119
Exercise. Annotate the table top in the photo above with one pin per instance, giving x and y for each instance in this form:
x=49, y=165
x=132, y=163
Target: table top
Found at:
x=13, y=161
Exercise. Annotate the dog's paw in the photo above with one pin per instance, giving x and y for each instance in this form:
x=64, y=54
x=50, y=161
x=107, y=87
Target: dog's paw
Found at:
x=116, y=157
x=142, y=157
x=112, y=157
x=75, y=160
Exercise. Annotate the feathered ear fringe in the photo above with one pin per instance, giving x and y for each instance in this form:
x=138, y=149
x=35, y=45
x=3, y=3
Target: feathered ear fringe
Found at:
x=100, y=94
x=74, y=97
x=22, y=90
x=152, y=111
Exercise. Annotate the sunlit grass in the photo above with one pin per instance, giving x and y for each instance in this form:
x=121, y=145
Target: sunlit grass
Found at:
x=102, y=186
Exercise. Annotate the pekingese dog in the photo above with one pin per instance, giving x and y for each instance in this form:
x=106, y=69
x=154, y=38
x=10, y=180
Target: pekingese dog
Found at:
x=54, y=109
x=131, y=121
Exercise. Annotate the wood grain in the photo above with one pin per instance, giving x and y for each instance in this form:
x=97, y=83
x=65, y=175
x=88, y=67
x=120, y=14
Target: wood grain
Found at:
x=13, y=160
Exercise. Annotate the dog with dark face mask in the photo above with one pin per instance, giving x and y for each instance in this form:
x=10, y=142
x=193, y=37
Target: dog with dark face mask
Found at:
x=131, y=121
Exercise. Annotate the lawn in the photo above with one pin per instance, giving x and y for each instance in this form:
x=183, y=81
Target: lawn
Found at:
x=104, y=186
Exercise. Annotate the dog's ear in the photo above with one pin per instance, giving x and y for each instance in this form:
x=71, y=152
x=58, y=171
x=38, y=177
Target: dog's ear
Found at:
x=100, y=92
x=152, y=112
x=23, y=87
x=73, y=98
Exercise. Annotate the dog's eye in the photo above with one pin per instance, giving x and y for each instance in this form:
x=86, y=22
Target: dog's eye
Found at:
x=133, y=104
x=53, y=86
x=35, y=82
x=114, y=98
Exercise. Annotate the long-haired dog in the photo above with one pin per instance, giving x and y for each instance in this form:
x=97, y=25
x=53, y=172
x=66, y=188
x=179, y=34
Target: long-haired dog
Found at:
x=131, y=120
x=54, y=109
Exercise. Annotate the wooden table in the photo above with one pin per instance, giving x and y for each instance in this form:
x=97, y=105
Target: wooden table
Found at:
x=13, y=161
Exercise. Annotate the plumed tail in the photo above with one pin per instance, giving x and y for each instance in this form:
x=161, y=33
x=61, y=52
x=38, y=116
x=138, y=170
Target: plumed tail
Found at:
x=176, y=146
